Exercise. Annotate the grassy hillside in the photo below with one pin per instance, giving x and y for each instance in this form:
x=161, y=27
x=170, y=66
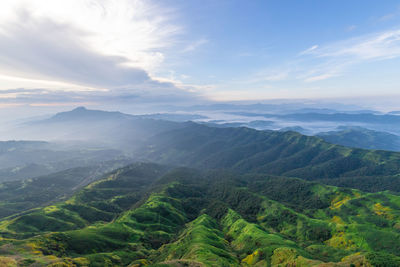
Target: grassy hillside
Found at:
x=100, y=201
x=22, y=195
x=147, y=215
x=276, y=153
x=362, y=138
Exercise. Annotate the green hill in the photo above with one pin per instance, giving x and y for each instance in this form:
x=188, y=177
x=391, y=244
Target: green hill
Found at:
x=239, y=197
x=22, y=195
x=276, y=153
x=151, y=215
x=362, y=138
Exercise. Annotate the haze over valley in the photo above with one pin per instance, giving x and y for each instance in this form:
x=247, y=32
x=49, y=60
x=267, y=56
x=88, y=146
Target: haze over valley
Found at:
x=199, y=133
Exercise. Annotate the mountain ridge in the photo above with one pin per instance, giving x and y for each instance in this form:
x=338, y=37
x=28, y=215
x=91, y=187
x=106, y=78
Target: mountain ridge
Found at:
x=223, y=197
x=217, y=218
x=362, y=138
x=270, y=152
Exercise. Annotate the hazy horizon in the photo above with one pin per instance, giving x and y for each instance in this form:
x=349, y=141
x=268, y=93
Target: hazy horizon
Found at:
x=131, y=55
x=199, y=133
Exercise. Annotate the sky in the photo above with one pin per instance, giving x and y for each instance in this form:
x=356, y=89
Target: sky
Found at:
x=127, y=52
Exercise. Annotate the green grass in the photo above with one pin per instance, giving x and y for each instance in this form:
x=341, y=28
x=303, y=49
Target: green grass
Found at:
x=276, y=153
x=193, y=218
x=200, y=241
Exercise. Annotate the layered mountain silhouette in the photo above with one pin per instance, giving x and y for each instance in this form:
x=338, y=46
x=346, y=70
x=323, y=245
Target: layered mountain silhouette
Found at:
x=204, y=196
x=362, y=138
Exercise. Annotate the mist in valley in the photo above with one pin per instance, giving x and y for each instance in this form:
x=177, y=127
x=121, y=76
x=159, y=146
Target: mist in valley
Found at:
x=184, y=133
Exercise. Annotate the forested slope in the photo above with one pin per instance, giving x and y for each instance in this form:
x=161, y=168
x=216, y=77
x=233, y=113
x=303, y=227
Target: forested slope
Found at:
x=270, y=152
x=147, y=214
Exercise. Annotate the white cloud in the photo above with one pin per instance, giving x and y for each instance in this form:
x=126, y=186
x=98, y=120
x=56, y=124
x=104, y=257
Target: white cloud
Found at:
x=164, y=93
x=308, y=50
x=84, y=51
x=136, y=30
x=193, y=46
x=390, y=16
x=322, y=62
x=320, y=77
x=83, y=43
x=331, y=60
x=378, y=46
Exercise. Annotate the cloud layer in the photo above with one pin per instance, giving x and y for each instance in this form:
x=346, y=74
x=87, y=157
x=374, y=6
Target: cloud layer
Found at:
x=107, y=47
x=325, y=61
x=336, y=57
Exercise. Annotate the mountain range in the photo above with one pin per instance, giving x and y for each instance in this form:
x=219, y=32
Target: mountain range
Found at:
x=199, y=195
x=153, y=215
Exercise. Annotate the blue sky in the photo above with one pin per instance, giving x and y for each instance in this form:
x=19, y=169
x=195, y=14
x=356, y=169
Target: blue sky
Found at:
x=94, y=52
x=257, y=47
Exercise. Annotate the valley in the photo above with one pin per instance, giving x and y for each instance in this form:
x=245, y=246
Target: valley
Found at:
x=152, y=215
x=190, y=194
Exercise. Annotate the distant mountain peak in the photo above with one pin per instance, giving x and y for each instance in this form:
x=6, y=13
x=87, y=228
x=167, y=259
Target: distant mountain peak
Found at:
x=82, y=113
x=79, y=109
